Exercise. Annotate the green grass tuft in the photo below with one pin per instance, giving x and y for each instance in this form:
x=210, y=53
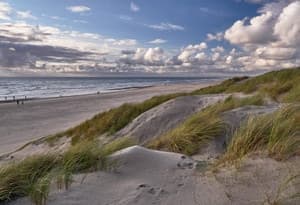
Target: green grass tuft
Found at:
x=277, y=133
x=40, y=190
x=20, y=179
x=190, y=135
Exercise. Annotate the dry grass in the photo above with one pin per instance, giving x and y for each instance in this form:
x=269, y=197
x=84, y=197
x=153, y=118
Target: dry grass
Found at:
x=190, y=135
x=278, y=134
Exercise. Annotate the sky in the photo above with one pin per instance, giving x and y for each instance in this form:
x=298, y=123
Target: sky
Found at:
x=161, y=37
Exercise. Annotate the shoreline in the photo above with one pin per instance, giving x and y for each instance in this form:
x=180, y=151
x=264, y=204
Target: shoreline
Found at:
x=111, y=90
x=46, y=116
x=68, y=96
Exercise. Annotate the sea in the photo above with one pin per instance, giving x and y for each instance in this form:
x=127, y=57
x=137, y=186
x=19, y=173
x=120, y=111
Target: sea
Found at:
x=45, y=87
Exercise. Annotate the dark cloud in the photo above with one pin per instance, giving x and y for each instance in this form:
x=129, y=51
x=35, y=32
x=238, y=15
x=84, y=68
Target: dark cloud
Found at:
x=13, y=55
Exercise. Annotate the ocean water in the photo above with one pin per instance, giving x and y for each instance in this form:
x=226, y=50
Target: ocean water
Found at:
x=67, y=86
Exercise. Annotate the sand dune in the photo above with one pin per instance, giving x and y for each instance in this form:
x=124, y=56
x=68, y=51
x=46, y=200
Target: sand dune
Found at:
x=142, y=176
x=164, y=117
x=147, y=177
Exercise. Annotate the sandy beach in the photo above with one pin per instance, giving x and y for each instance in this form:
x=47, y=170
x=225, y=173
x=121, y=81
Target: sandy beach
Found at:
x=41, y=117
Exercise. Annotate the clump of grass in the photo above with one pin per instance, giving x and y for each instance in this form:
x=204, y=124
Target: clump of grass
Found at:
x=113, y=120
x=200, y=128
x=81, y=157
x=189, y=136
x=40, y=190
x=20, y=179
x=278, y=134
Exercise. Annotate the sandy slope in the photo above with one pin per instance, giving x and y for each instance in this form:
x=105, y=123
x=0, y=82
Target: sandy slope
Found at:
x=166, y=116
x=19, y=124
x=147, y=177
x=142, y=177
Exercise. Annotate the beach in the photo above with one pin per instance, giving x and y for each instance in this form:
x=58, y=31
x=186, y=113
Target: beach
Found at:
x=42, y=117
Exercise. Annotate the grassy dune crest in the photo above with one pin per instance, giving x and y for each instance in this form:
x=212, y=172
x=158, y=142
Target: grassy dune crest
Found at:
x=113, y=120
x=282, y=86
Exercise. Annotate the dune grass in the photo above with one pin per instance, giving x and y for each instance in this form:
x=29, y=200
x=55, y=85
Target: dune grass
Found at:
x=200, y=128
x=277, y=133
x=189, y=136
x=219, y=88
x=111, y=121
x=33, y=176
x=282, y=85
x=20, y=179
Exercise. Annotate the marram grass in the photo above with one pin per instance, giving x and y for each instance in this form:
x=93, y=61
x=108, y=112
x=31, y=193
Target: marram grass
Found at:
x=20, y=179
x=278, y=134
x=281, y=86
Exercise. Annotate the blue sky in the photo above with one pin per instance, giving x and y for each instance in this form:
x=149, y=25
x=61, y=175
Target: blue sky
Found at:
x=157, y=36
x=114, y=18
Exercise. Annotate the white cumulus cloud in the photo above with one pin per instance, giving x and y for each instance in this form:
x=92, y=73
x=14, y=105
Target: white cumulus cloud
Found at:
x=166, y=27
x=158, y=41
